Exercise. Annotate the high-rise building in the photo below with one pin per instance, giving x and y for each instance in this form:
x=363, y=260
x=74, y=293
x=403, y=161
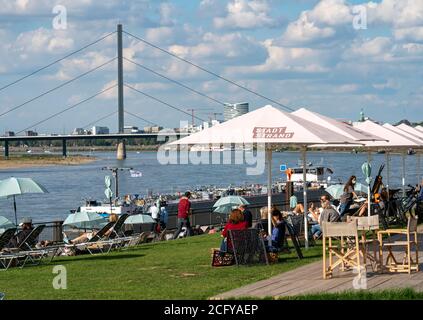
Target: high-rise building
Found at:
x=233, y=110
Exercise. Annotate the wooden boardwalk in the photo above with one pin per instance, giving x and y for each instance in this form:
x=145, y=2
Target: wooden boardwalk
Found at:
x=309, y=279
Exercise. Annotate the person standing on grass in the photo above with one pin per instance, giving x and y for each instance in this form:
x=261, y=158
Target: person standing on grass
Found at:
x=184, y=211
x=248, y=216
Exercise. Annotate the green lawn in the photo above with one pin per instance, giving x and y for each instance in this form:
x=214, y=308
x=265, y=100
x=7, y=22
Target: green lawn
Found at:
x=179, y=269
x=399, y=294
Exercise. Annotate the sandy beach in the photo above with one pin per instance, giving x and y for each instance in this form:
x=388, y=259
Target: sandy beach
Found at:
x=16, y=162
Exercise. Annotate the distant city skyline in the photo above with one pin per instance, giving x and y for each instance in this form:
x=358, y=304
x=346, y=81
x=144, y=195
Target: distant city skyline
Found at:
x=307, y=53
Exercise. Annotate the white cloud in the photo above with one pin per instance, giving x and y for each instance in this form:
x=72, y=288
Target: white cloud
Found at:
x=412, y=34
x=303, y=31
x=245, y=14
x=43, y=40
x=398, y=13
x=289, y=60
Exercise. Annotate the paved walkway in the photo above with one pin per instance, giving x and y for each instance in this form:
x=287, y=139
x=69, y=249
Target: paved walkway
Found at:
x=309, y=279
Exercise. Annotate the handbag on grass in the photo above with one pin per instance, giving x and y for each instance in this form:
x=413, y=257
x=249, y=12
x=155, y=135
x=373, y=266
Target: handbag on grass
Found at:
x=222, y=259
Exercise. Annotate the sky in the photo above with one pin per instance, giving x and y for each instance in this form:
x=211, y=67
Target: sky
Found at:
x=335, y=57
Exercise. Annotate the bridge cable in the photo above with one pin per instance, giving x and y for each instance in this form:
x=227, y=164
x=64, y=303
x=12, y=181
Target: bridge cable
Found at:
x=68, y=108
x=56, y=61
x=55, y=88
x=208, y=71
x=162, y=102
x=98, y=120
x=140, y=118
x=175, y=81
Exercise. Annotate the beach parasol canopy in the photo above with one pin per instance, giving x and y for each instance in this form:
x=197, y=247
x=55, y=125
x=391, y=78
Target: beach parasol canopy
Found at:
x=230, y=201
x=338, y=126
x=336, y=190
x=85, y=220
x=12, y=187
x=410, y=130
x=225, y=209
x=268, y=128
x=5, y=224
x=415, y=132
x=139, y=219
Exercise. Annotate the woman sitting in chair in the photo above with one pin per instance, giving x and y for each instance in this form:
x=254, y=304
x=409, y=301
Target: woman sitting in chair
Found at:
x=278, y=231
x=236, y=222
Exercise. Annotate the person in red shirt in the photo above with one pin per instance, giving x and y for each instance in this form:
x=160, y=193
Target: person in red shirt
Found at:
x=235, y=222
x=184, y=211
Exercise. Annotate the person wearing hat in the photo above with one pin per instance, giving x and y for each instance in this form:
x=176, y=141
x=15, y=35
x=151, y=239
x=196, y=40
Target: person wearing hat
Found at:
x=26, y=226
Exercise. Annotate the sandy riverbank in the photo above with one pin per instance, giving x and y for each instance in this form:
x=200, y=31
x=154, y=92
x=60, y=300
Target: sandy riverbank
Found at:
x=16, y=162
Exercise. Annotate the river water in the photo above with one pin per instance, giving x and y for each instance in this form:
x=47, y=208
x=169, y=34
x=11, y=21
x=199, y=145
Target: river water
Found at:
x=69, y=185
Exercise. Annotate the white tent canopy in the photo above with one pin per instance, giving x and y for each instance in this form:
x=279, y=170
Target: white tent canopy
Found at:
x=337, y=126
x=409, y=136
x=410, y=130
x=396, y=140
x=420, y=128
x=272, y=128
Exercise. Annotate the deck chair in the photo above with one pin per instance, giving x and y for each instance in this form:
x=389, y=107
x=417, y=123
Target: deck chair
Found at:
x=97, y=242
x=368, y=223
x=25, y=252
x=346, y=252
x=118, y=227
x=6, y=236
x=247, y=247
x=29, y=242
x=408, y=264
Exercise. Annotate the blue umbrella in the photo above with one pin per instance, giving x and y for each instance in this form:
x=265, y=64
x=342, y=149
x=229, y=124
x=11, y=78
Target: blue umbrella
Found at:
x=230, y=201
x=16, y=186
x=139, y=219
x=5, y=224
x=85, y=220
x=336, y=190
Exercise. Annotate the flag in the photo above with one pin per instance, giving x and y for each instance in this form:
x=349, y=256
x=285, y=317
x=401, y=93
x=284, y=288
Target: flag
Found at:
x=135, y=173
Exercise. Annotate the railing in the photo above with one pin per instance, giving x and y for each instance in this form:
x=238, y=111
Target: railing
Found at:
x=202, y=217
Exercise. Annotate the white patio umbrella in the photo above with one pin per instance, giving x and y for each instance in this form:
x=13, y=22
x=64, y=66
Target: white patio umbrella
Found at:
x=269, y=128
x=12, y=187
x=420, y=128
x=341, y=128
x=417, y=140
x=395, y=140
x=419, y=134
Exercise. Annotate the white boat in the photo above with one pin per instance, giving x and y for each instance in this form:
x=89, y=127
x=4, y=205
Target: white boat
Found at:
x=105, y=208
x=318, y=176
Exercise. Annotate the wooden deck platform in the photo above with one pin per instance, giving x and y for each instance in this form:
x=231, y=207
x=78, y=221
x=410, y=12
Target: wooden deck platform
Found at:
x=309, y=279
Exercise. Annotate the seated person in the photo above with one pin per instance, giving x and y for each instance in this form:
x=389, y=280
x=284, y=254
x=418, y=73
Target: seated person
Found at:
x=235, y=222
x=262, y=224
x=86, y=236
x=328, y=214
x=27, y=227
x=313, y=214
x=278, y=232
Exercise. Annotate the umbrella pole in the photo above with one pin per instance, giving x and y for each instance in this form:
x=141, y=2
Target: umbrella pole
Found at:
x=305, y=196
x=403, y=174
x=269, y=193
x=369, y=199
x=388, y=169
x=14, y=207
